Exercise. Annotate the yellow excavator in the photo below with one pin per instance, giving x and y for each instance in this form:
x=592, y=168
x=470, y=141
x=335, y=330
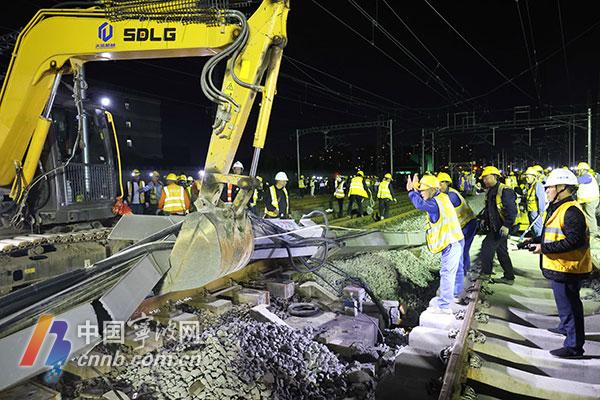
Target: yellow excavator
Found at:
x=211, y=242
x=75, y=173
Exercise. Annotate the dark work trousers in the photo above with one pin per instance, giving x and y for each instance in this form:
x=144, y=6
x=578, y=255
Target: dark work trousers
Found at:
x=494, y=244
x=340, y=207
x=137, y=208
x=384, y=208
x=570, y=312
x=359, y=200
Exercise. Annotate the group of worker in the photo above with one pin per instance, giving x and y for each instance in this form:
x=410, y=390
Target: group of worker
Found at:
x=172, y=197
x=359, y=189
x=176, y=197
x=562, y=240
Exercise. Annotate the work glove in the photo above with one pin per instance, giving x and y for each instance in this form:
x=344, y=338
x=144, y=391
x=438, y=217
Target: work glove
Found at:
x=504, y=231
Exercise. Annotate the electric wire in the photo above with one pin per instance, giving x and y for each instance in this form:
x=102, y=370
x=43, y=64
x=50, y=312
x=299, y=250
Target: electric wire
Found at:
x=477, y=51
x=439, y=63
x=386, y=54
x=564, y=49
x=525, y=41
x=451, y=92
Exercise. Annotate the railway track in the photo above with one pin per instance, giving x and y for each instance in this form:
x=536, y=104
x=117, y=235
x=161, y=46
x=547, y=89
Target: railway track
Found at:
x=497, y=346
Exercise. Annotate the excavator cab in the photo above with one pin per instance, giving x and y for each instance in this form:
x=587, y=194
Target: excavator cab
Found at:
x=86, y=188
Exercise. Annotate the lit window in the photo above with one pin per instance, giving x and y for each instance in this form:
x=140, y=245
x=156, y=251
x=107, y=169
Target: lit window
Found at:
x=129, y=143
x=128, y=124
x=127, y=105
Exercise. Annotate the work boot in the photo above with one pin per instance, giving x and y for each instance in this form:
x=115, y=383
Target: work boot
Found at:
x=504, y=281
x=567, y=352
x=558, y=331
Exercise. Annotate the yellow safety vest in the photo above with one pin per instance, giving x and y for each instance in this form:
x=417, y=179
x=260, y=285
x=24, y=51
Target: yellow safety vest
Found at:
x=174, y=199
x=130, y=193
x=532, y=203
x=254, y=198
x=577, y=261
x=499, y=204
x=511, y=182
x=340, y=190
x=275, y=202
x=384, y=190
x=446, y=230
x=301, y=184
x=357, y=188
x=587, y=192
x=464, y=212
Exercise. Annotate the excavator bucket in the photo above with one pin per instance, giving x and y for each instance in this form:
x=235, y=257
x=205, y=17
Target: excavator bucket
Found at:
x=210, y=245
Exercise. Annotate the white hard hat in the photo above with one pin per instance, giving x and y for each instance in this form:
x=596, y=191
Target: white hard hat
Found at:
x=238, y=164
x=281, y=176
x=561, y=176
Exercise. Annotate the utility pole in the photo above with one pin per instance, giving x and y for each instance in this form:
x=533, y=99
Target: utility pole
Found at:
x=449, y=151
x=391, y=150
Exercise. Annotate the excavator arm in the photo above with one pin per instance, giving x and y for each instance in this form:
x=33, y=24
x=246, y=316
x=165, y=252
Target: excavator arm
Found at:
x=58, y=42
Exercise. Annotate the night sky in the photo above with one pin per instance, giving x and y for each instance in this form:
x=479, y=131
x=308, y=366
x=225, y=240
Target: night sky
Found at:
x=340, y=67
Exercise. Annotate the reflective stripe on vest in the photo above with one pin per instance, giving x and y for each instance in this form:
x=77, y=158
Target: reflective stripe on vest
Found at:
x=446, y=230
x=464, y=212
x=384, y=190
x=130, y=193
x=229, y=193
x=254, y=198
x=301, y=184
x=340, y=190
x=357, y=188
x=532, y=202
x=275, y=202
x=588, y=191
x=577, y=261
x=174, y=199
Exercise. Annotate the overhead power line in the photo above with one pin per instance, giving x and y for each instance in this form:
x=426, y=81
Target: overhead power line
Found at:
x=439, y=63
x=526, y=42
x=477, y=51
x=562, y=41
x=403, y=67
x=452, y=93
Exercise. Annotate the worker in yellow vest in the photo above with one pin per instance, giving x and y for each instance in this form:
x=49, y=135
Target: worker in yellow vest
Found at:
x=135, y=197
x=466, y=218
x=301, y=186
x=277, y=200
x=385, y=195
x=174, y=199
x=256, y=195
x=535, y=200
x=565, y=258
x=498, y=217
x=357, y=193
x=443, y=236
x=587, y=195
x=153, y=192
x=511, y=180
x=339, y=194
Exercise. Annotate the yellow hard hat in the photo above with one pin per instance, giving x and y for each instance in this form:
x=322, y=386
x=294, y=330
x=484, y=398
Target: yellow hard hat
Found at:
x=259, y=178
x=531, y=171
x=136, y=172
x=360, y=173
x=428, y=181
x=490, y=170
x=583, y=165
x=388, y=176
x=171, y=177
x=155, y=173
x=182, y=177
x=538, y=168
x=444, y=177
